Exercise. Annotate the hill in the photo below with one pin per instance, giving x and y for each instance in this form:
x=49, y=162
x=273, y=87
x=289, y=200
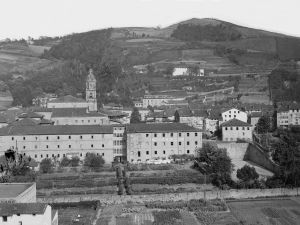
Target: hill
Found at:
x=20, y=57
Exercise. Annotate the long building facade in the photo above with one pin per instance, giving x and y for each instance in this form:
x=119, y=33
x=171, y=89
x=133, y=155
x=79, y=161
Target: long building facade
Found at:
x=123, y=142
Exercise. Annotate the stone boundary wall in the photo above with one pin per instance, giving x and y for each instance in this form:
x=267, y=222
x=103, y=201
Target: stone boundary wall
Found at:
x=227, y=194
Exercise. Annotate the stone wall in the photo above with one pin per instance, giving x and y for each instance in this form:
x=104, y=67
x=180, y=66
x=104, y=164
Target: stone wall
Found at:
x=116, y=199
x=256, y=155
x=236, y=151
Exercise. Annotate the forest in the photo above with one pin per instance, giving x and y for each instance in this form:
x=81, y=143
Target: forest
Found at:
x=191, y=32
x=288, y=49
x=284, y=85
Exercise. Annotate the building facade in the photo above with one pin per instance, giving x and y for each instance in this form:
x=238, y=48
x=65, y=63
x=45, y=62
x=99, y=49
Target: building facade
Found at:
x=234, y=114
x=235, y=129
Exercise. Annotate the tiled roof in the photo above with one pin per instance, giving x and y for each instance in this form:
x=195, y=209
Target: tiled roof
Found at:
x=294, y=106
x=41, y=109
x=12, y=190
x=68, y=98
x=159, y=127
x=56, y=130
x=31, y=115
x=256, y=114
x=235, y=123
x=284, y=108
x=185, y=112
x=45, y=121
x=74, y=112
x=25, y=122
x=112, y=113
x=9, y=209
x=200, y=113
x=2, y=119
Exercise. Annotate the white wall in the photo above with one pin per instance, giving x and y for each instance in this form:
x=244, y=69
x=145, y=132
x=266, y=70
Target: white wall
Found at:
x=234, y=113
x=30, y=219
x=80, y=120
x=67, y=105
x=234, y=133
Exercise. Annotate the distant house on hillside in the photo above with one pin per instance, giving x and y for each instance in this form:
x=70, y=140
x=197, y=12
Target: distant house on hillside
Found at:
x=185, y=71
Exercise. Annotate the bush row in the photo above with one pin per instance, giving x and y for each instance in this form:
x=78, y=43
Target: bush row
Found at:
x=85, y=204
x=83, y=192
x=192, y=205
x=170, y=180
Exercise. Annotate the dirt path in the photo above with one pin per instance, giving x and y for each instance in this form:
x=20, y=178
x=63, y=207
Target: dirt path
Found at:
x=97, y=216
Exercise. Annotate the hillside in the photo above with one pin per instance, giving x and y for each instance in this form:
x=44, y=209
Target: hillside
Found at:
x=21, y=57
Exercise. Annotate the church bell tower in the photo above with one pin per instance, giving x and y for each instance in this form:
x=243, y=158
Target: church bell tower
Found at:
x=91, y=92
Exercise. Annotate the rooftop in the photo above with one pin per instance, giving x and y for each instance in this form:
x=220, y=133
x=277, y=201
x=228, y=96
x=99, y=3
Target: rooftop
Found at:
x=235, y=123
x=8, y=209
x=159, y=127
x=12, y=190
x=74, y=112
x=68, y=98
x=31, y=115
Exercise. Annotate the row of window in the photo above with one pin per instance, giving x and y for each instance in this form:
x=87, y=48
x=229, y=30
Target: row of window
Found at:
x=164, y=152
x=58, y=146
x=233, y=139
x=118, y=134
x=58, y=155
x=119, y=142
x=237, y=128
x=118, y=151
x=171, y=135
x=234, y=111
x=179, y=143
x=58, y=137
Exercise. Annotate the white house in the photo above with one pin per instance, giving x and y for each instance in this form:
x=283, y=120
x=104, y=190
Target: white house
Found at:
x=234, y=113
x=235, y=129
x=27, y=214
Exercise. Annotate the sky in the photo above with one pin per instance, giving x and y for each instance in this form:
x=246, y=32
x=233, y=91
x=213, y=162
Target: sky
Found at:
x=35, y=18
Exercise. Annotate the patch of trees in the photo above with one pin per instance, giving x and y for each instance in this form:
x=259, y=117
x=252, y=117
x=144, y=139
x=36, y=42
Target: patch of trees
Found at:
x=135, y=116
x=232, y=54
x=288, y=49
x=191, y=32
x=284, y=85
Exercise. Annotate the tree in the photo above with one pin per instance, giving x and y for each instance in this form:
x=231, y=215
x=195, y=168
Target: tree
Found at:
x=143, y=35
x=214, y=159
x=150, y=108
x=46, y=165
x=263, y=124
x=169, y=70
x=37, y=92
x=150, y=69
x=135, y=116
x=95, y=162
x=247, y=173
x=64, y=162
x=75, y=161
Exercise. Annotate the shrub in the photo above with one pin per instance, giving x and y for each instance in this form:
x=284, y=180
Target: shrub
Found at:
x=247, y=173
x=94, y=161
x=47, y=166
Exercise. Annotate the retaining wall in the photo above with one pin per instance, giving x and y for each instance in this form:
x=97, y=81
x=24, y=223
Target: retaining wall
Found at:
x=116, y=199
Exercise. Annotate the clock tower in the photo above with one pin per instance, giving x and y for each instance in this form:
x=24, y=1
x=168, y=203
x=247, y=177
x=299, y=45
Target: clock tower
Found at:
x=91, y=92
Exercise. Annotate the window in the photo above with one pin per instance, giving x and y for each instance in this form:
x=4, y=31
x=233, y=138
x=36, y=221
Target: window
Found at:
x=24, y=154
x=237, y=128
x=4, y=218
x=102, y=145
x=20, y=222
x=187, y=151
x=238, y=111
x=172, y=143
x=41, y=156
x=69, y=137
x=24, y=147
x=64, y=155
x=52, y=155
x=147, y=135
x=47, y=155
x=196, y=142
x=155, y=143
x=225, y=128
x=229, y=111
x=179, y=142
x=12, y=138
x=234, y=116
x=47, y=138
x=80, y=137
x=248, y=128
x=24, y=138
x=188, y=143
x=57, y=146
x=163, y=134
x=155, y=135
x=196, y=134
x=47, y=146
x=93, y=136
x=179, y=134
x=76, y=121
x=147, y=152
x=88, y=121
x=18, y=214
x=230, y=116
x=243, y=128
x=35, y=146
x=102, y=154
x=82, y=121
x=57, y=155
x=155, y=152
x=230, y=128
x=69, y=146
x=243, y=133
x=35, y=156
x=171, y=134
x=164, y=152
x=188, y=134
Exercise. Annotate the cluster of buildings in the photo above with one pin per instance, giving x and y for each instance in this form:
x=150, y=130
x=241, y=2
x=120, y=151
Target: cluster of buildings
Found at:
x=18, y=206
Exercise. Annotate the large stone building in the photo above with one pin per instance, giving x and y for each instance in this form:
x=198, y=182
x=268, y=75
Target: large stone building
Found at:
x=69, y=101
x=109, y=141
x=232, y=113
